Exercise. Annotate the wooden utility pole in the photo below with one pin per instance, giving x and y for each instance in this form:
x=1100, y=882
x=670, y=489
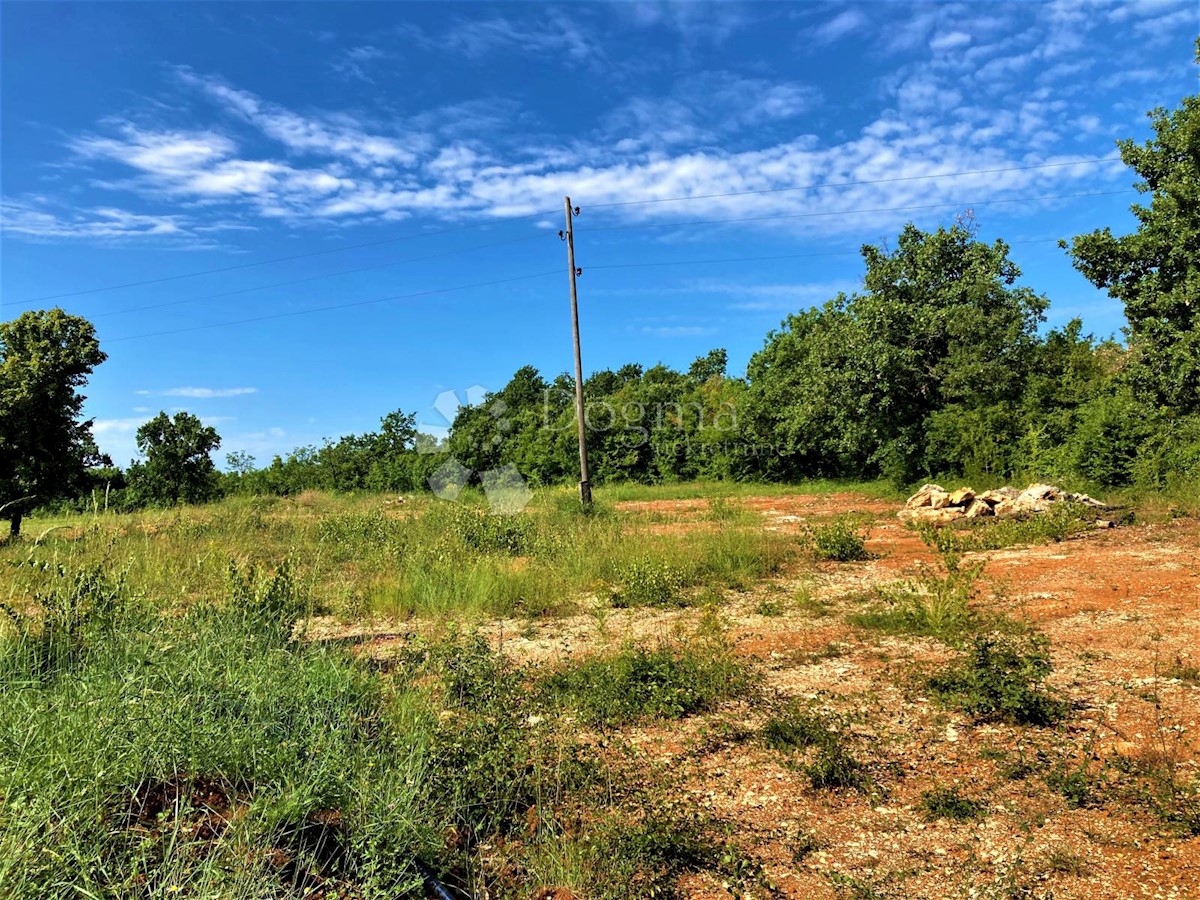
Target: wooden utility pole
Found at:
x=585, y=487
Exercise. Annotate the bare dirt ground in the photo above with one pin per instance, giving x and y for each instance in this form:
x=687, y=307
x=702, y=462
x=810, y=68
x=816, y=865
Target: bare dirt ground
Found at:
x=1121, y=609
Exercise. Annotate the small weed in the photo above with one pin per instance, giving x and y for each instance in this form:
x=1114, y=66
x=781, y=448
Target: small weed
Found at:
x=1002, y=680
x=725, y=509
x=1075, y=783
x=796, y=729
x=932, y=605
x=771, y=607
x=806, y=599
x=1179, y=670
x=1057, y=524
x=833, y=765
x=839, y=541
x=950, y=803
x=1061, y=861
x=805, y=845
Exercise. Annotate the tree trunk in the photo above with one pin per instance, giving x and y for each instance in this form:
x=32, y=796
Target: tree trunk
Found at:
x=14, y=530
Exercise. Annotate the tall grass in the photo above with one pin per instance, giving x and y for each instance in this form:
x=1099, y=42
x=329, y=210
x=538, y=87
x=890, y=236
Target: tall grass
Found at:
x=357, y=555
x=207, y=754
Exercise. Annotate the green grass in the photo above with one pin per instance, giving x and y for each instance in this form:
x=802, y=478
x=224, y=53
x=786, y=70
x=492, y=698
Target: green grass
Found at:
x=150, y=755
x=619, y=493
x=932, y=605
x=638, y=683
x=951, y=803
x=357, y=555
x=1060, y=522
x=829, y=762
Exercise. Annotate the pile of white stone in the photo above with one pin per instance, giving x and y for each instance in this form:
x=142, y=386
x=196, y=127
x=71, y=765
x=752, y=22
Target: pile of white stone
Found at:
x=933, y=503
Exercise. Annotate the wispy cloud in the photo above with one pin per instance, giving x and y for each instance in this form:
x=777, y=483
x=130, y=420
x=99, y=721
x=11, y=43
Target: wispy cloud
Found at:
x=552, y=32
x=679, y=330
x=336, y=136
x=953, y=106
x=33, y=218
x=200, y=392
x=357, y=62
x=842, y=25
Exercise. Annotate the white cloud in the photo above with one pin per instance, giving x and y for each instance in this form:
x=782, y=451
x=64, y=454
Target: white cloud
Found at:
x=32, y=218
x=336, y=136
x=105, y=428
x=679, y=330
x=949, y=40
x=552, y=32
x=842, y=25
x=357, y=61
x=205, y=393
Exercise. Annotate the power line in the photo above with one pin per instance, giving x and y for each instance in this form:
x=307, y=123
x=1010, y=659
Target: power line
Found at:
x=304, y=312
x=278, y=259
x=265, y=287
x=847, y=212
x=815, y=187
x=464, y=287
x=729, y=259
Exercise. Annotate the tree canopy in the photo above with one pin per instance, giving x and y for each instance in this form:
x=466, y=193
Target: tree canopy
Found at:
x=1155, y=270
x=45, y=445
x=178, y=466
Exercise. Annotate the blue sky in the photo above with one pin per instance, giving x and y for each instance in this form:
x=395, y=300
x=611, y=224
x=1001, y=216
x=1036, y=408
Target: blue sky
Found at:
x=421, y=151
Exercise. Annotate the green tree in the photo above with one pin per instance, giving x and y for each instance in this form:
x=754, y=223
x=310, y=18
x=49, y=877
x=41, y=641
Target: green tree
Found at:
x=45, y=448
x=178, y=466
x=1155, y=271
x=855, y=386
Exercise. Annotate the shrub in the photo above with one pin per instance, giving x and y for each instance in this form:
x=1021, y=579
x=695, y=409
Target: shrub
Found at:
x=840, y=541
x=268, y=604
x=65, y=615
x=516, y=535
x=649, y=582
x=1002, y=680
x=667, y=682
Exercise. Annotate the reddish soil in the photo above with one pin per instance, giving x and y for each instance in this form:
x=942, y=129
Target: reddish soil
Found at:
x=1121, y=609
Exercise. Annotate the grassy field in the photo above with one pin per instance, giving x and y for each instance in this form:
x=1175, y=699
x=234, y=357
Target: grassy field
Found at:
x=168, y=727
x=346, y=697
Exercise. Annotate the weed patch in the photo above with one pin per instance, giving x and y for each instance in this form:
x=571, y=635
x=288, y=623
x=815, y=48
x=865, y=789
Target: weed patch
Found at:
x=951, y=803
x=832, y=765
x=1002, y=679
x=840, y=541
x=649, y=582
x=666, y=682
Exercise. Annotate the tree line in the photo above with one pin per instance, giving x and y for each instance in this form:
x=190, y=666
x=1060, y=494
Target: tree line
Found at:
x=938, y=367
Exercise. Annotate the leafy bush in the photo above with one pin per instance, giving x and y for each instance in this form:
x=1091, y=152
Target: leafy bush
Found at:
x=349, y=533
x=1002, y=680
x=269, y=604
x=649, y=582
x=667, y=682
x=840, y=541
x=516, y=535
